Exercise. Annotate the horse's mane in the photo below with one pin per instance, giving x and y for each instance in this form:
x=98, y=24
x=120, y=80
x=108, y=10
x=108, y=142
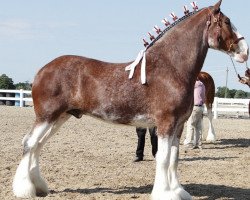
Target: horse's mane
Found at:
x=172, y=26
x=141, y=57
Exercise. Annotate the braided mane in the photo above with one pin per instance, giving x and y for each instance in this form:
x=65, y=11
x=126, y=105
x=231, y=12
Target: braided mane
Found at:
x=171, y=26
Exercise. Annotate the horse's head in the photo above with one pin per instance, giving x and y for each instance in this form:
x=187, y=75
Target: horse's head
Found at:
x=222, y=35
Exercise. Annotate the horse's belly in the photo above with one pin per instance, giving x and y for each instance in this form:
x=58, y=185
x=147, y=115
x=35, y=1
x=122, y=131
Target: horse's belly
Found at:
x=142, y=121
x=127, y=119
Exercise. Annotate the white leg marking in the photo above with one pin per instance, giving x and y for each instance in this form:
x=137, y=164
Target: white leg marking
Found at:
x=166, y=185
x=175, y=186
x=211, y=133
x=37, y=179
x=161, y=187
x=22, y=184
x=39, y=183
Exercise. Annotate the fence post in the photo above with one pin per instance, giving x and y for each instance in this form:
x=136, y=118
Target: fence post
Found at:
x=215, y=107
x=21, y=97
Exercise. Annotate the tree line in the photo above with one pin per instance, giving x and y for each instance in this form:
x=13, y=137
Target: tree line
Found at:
x=222, y=92
x=8, y=84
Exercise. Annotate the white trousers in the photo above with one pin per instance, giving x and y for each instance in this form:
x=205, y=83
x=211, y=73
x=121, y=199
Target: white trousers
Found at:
x=194, y=127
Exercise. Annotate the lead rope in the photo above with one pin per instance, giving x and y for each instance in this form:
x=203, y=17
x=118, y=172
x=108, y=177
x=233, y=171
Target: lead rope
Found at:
x=235, y=68
x=247, y=65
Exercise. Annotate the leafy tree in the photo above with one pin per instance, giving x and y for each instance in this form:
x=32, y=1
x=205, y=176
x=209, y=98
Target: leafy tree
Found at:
x=221, y=92
x=240, y=94
x=6, y=82
x=232, y=93
x=23, y=85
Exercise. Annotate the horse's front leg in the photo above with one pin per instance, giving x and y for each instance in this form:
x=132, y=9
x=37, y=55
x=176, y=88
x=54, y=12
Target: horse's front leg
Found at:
x=175, y=185
x=166, y=185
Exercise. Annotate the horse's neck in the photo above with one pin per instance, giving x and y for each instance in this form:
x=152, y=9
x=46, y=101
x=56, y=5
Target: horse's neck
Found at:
x=183, y=48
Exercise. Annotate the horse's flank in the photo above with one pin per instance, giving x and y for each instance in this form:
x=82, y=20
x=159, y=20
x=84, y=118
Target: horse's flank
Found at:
x=88, y=86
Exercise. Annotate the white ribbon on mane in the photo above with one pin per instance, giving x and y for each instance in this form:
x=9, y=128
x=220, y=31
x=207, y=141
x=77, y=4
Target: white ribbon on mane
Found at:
x=132, y=66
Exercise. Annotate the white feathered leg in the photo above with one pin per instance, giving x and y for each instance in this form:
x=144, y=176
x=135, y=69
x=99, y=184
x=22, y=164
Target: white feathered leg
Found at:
x=175, y=186
x=37, y=179
x=161, y=189
x=211, y=133
x=22, y=183
x=166, y=185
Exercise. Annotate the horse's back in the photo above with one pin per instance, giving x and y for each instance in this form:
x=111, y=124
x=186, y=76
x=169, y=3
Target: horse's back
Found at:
x=65, y=71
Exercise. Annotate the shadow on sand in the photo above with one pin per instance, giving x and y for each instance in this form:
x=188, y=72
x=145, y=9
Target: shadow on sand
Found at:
x=231, y=143
x=206, y=192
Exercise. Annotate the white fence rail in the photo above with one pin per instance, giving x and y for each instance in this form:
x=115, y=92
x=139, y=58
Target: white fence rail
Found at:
x=234, y=106
x=229, y=106
x=220, y=105
x=19, y=96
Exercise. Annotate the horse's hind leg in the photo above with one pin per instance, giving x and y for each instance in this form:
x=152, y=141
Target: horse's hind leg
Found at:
x=22, y=183
x=38, y=181
x=211, y=133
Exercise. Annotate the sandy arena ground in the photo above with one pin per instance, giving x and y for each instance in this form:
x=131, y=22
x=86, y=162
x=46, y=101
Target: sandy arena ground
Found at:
x=90, y=159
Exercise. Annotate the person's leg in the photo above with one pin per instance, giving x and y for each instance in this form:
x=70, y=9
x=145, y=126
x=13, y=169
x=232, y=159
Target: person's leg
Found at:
x=198, y=128
x=188, y=142
x=141, y=133
x=153, y=139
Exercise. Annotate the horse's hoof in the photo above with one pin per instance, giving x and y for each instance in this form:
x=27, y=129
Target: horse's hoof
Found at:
x=24, y=189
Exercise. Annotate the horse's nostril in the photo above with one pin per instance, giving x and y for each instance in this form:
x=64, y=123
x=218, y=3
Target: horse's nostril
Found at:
x=245, y=57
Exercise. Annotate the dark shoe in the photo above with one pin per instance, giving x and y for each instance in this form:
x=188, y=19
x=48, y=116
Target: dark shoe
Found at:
x=197, y=147
x=138, y=159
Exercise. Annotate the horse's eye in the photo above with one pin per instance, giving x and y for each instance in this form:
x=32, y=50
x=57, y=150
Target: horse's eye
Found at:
x=227, y=21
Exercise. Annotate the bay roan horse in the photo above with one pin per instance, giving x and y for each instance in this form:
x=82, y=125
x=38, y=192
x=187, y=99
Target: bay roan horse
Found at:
x=208, y=81
x=75, y=85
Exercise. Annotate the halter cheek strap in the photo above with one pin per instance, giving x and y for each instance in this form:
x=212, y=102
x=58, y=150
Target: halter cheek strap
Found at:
x=234, y=42
x=218, y=32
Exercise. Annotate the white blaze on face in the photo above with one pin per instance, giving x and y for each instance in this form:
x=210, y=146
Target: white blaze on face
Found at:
x=242, y=52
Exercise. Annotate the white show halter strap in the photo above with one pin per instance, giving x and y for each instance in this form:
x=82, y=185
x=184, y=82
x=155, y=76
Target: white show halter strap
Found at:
x=132, y=66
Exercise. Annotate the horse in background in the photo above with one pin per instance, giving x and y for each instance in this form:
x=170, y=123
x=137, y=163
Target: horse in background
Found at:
x=75, y=86
x=208, y=81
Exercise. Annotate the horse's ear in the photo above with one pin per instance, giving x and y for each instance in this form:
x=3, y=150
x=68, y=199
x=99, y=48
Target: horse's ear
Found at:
x=217, y=6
